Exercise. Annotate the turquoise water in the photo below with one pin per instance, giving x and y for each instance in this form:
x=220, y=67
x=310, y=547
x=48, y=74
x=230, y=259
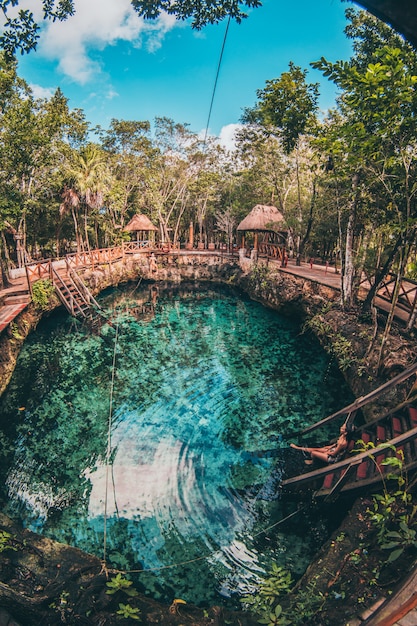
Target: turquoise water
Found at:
x=196, y=389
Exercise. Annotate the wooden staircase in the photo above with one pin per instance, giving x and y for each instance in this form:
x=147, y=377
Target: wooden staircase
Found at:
x=75, y=296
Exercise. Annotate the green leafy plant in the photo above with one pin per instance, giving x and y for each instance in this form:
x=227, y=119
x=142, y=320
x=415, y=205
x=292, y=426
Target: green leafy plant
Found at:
x=275, y=617
x=343, y=351
x=399, y=540
x=394, y=513
x=126, y=611
x=62, y=606
x=309, y=603
x=264, y=600
x=41, y=293
x=6, y=541
x=16, y=334
x=119, y=583
x=259, y=276
x=318, y=326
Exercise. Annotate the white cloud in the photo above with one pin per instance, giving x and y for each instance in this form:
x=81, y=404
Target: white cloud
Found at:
x=42, y=92
x=111, y=94
x=227, y=136
x=95, y=25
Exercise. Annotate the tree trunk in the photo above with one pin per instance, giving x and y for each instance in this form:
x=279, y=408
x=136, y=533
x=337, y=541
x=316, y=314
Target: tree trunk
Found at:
x=380, y=275
x=348, y=275
x=310, y=220
x=4, y=263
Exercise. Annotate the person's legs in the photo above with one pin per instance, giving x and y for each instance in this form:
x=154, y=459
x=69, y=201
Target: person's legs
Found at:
x=320, y=456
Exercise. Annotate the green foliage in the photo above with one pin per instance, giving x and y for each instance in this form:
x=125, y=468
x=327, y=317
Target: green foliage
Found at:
x=270, y=589
x=318, y=326
x=21, y=32
x=264, y=602
x=6, y=541
x=398, y=540
x=41, y=293
x=335, y=343
x=126, y=611
x=286, y=105
x=274, y=617
x=343, y=352
x=15, y=331
x=259, y=276
x=63, y=607
x=119, y=583
x=394, y=513
x=309, y=603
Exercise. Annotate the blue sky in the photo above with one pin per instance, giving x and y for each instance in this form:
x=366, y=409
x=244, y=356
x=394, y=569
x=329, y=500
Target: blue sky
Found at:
x=112, y=64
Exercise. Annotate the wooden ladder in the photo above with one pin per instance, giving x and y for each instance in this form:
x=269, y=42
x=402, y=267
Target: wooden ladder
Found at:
x=74, y=294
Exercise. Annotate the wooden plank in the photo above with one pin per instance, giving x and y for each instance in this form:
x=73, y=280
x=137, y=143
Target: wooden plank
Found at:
x=322, y=472
x=344, y=477
x=360, y=402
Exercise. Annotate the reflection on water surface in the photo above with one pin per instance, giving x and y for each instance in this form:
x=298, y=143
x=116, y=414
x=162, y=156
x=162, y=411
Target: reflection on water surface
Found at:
x=205, y=384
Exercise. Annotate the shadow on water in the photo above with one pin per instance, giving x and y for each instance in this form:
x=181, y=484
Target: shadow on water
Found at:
x=206, y=386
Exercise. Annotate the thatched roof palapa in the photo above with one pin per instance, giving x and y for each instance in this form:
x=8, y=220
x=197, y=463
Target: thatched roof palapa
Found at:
x=139, y=223
x=263, y=218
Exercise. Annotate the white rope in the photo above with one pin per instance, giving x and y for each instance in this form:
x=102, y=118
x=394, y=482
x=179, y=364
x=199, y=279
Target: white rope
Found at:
x=108, y=452
x=211, y=554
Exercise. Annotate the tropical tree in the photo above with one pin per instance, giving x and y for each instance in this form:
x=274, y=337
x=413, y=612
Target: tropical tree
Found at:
x=88, y=180
x=35, y=134
x=286, y=112
x=286, y=107
x=182, y=181
x=130, y=152
x=373, y=143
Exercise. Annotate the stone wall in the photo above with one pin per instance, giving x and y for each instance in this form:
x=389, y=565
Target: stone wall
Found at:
x=353, y=343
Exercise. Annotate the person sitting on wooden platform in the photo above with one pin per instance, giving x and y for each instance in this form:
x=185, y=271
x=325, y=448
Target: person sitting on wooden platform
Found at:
x=331, y=453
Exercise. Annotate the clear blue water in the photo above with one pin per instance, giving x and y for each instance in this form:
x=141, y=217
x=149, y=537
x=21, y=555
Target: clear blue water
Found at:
x=205, y=385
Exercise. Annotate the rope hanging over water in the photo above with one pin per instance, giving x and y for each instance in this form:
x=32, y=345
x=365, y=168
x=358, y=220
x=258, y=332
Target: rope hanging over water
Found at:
x=210, y=554
x=216, y=79
x=108, y=451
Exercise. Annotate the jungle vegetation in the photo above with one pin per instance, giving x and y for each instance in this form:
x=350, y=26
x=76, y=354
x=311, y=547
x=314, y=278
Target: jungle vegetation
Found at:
x=345, y=182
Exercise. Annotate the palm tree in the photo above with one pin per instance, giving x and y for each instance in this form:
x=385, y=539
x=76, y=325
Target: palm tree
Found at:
x=88, y=182
x=70, y=202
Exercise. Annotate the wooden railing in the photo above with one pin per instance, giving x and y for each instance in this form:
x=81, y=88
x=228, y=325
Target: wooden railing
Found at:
x=389, y=448
x=135, y=246
x=38, y=269
x=93, y=258
x=350, y=411
x=407, y=295
x=273, y=250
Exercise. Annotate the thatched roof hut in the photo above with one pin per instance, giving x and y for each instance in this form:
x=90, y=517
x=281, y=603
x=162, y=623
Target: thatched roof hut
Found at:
x=140, y=223
x=142, y=226
x=263, y=218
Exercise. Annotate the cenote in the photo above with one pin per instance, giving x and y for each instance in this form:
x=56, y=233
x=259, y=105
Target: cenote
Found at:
x=202, y=386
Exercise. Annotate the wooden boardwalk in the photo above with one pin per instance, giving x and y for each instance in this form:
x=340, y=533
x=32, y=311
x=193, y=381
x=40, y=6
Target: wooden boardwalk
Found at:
x=314, y=272
x=13, y=301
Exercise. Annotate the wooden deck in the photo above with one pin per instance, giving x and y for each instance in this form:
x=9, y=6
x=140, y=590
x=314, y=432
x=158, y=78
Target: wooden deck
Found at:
x=314, y=272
